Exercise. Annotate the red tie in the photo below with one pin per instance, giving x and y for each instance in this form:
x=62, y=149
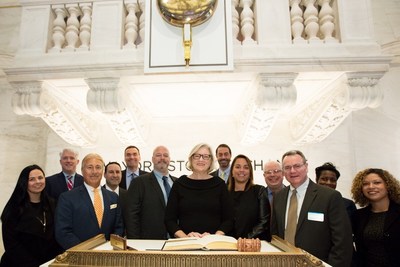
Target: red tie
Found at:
x=70, y=184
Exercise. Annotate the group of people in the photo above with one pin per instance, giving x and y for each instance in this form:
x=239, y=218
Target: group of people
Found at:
x=47, y=215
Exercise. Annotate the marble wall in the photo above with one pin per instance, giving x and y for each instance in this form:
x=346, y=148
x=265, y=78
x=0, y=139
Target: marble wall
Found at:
x=367, y=138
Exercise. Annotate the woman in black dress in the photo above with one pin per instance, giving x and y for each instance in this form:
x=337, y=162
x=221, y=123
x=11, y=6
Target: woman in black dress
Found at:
x=28, y=222
x=199, y=203
x=251, y=205
x=376, y=227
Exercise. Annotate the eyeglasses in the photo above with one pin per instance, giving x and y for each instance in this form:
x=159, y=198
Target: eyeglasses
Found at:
x=204, y=156
x=296, y=167
x=273, y=172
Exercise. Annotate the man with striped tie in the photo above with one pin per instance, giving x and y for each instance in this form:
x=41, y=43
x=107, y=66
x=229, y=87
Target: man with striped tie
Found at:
x=67, y=179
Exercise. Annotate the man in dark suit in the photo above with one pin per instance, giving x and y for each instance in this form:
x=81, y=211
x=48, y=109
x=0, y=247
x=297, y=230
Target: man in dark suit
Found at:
x=223, y=154
x=58, y=183
x=132, y=160
x=273, y=177
x=147, y=198
x=323, y=227
x=112, y=174
x=89, y=209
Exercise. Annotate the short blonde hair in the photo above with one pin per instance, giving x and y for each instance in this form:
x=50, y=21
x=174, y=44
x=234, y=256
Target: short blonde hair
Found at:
x=197, y=148
x=392, y=184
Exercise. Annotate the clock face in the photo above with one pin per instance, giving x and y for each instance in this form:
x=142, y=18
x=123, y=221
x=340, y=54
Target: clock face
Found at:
x=180, y=12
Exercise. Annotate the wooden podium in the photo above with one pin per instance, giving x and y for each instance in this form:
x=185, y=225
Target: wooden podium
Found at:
x=98, y=252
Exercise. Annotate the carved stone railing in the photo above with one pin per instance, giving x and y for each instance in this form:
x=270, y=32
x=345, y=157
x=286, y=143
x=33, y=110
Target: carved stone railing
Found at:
x=102, y=41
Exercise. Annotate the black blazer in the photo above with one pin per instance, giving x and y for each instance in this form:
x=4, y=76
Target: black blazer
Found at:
x=145, y=208
x=329, y=236
x=122, y=184
x=25, y=242
x=56, y=184
x=214, y=173
x=391, y=233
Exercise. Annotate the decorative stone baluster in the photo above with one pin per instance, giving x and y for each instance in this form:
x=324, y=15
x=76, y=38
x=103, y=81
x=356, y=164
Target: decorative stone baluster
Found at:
x=235, y=22
x=311, y=21
x=142, y=5
x=131, y=24
x=86, y=25
x=296, y=17
x=326, y=21
x=247, y=21
x=59, y=26
x=73, y=26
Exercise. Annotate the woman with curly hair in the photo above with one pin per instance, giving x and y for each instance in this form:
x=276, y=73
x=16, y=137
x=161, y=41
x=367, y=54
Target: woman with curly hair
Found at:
x=376, y=227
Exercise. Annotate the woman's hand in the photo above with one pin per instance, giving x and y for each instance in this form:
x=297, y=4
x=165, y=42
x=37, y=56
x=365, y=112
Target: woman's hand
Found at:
x=219, y=232
x=195, y=234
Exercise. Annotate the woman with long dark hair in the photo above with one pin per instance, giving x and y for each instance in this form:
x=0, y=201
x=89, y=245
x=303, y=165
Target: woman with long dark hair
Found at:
x=28, y=222
x=251, y=205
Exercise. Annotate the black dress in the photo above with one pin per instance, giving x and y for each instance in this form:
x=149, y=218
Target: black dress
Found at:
x=252, y=213
x=29, y=240
x=376, y=236
x=199, y=206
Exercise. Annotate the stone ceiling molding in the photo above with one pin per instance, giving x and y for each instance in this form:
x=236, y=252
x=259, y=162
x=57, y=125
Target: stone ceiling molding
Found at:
x=32, y=98
x=321, y=117
x=274, y=93
x=109, y=97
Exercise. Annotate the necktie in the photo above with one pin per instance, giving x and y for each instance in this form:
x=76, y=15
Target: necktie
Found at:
x=166, y=185
x=223, y=176
x=290, y=231
x=70, y=184
x=98, y=207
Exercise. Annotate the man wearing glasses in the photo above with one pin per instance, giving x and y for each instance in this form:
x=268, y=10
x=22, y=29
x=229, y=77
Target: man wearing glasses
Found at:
x=273, y=178
x=311, y=216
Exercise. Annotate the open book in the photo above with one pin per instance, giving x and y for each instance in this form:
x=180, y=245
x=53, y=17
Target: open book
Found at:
x=209, y=242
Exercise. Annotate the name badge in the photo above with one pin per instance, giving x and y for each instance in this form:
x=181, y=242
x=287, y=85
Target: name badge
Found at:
x=113, y=206
x=315, y=216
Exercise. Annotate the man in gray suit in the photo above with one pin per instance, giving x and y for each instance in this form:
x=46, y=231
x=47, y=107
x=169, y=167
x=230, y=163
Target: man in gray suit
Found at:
x=147, y=199
x=323, y=227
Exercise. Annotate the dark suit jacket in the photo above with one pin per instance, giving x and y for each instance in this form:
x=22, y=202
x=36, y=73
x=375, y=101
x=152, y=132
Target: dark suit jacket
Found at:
x=330, y=240
x=123, y=193
x=75, y=219
x=146, y=208
x=56, y=184
x=350, y=207
x=122, y=184
x=391, y=233
x=214, y=173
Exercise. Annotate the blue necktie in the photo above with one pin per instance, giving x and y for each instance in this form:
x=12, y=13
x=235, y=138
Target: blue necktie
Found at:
x=166, y=185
